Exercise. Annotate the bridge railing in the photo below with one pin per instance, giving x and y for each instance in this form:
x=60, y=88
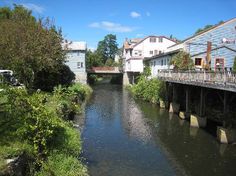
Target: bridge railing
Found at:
x=221, y=77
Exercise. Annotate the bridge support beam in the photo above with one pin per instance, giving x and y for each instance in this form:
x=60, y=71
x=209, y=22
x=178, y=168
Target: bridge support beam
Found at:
x=186, y=114
x=225, y=135
x=126, y=79
x=174, y=106
x=199, y=120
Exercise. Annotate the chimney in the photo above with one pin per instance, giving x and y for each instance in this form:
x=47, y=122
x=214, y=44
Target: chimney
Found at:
x=209, y=46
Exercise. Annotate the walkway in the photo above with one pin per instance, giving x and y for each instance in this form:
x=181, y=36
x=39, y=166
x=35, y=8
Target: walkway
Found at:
x=216, y=80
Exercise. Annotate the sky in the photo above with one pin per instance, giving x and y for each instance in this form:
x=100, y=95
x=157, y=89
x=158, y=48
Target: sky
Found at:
x=91, y=20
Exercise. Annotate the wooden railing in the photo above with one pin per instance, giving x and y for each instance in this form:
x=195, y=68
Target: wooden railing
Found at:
x=212, y=77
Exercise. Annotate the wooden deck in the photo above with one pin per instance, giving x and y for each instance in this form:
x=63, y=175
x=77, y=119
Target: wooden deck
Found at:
x=225, y=80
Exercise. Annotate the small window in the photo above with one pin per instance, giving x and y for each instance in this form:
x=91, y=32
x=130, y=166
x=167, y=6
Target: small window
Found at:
x=78, y=54
x=198, y=61
x=159, y=52
x=152, y=39
x=151, y=52
x=156, y=52
x=154, y=63
x=80, y=64
x=162, y=62
x=160, y=39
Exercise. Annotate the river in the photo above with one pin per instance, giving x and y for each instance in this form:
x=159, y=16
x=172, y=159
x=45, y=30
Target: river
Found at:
x=125, y=137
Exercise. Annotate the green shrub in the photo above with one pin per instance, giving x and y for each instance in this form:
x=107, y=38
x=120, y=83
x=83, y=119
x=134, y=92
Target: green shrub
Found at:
x=62, y=164
x=151, y=90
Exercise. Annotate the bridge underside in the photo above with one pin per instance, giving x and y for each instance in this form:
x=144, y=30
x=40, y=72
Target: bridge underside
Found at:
x=205, y=84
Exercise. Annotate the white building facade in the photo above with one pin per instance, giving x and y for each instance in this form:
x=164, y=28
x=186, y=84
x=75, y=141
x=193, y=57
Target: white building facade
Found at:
x=76, y=59
x=135, y=50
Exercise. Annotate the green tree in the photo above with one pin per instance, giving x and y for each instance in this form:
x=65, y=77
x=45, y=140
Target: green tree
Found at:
x=234, y=66
x=29, y=46
x=93, y=59
x=207, y=27
x=182, y=61
x=108, y=47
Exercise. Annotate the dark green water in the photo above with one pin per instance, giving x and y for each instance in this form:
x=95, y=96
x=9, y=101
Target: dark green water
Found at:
x=123, y=137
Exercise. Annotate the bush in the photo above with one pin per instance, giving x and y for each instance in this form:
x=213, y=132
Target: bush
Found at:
x=62, y=164
x=37, y=120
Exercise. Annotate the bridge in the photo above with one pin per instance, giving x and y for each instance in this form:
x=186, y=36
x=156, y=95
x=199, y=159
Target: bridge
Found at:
x=195, y=94
x=222, y=80
x=105, y=70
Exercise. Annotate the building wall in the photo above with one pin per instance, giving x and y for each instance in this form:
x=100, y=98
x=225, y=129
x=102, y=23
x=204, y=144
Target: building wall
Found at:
x=144, y=49
x=146, y=46
x=227, y=30
x=134, y=66
x=160, y=63
x=76, y=62
x=222, y=53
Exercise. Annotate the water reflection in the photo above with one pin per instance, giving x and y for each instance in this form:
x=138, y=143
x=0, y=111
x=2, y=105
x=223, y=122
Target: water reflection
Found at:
x=127, y=137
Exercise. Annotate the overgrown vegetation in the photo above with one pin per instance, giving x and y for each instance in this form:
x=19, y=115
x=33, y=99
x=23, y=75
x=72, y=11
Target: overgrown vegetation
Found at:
x=234, y=66
x=38, y=124
x=32, y=49
x=182, y=61
x=151, y=90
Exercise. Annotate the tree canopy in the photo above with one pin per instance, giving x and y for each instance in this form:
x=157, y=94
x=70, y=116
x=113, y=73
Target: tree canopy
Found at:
x=108, y=47
x=29, y=46
x=182, y=61
x=207, y=27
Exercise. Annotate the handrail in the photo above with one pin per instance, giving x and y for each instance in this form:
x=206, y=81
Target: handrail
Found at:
x=223, y=77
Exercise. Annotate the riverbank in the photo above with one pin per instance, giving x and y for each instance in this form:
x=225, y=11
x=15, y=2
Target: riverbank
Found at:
x=37, y=133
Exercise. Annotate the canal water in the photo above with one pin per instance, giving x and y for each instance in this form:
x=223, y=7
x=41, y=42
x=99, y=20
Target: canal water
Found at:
x=124, y=137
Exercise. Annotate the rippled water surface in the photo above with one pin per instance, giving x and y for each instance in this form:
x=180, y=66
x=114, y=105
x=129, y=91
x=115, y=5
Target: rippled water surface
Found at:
x=123, y=137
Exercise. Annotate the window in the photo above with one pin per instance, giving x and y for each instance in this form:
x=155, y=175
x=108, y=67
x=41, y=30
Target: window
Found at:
x=80, y=64
x=154, y=63
x=219, y=63
x=162, y=62
x=198, y=61
x=160, y=39
x=159, y=52
x=151, y=52
x=156, y=52
x=152, y=39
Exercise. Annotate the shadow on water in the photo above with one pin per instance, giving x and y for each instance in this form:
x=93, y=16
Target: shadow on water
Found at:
x=127, y=137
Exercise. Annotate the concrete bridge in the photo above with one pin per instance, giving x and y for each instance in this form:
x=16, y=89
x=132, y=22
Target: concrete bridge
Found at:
x=194, y=94
x=105, y=70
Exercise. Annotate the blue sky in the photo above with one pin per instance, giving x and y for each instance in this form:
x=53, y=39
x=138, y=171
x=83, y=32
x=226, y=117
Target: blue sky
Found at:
x=91, y=20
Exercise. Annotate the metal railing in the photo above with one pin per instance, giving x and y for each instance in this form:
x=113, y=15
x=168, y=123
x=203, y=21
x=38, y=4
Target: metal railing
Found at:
x=212, y=77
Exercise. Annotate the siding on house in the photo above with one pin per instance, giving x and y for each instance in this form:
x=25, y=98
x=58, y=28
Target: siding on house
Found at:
x=75, y=59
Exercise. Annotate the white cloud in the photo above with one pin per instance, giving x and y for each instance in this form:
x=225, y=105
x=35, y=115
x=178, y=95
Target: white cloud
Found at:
x=148, y=14
x=111, y=27
x=33, y=7
x=135, y=14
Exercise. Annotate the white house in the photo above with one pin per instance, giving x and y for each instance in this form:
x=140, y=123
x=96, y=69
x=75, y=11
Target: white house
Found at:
x=76, y=59
x=219, y=41
x=135, y=50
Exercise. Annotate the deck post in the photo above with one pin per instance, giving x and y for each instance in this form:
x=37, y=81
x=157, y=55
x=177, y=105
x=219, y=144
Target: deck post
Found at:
x=174, y=106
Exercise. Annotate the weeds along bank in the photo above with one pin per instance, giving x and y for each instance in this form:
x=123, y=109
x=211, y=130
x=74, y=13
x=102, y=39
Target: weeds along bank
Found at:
x=151, y=90
x=37, y=134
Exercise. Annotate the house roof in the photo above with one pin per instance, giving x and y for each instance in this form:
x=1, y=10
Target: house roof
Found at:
x=205, y=31
x=74, y=46
x=215, y=49
x=162, y=54
x=136, y=41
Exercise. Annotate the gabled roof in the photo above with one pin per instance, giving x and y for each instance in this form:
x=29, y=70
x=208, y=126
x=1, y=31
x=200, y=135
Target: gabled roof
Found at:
x=74, y=46
x=215, y=49
x=205, y=31
x=134, y=42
